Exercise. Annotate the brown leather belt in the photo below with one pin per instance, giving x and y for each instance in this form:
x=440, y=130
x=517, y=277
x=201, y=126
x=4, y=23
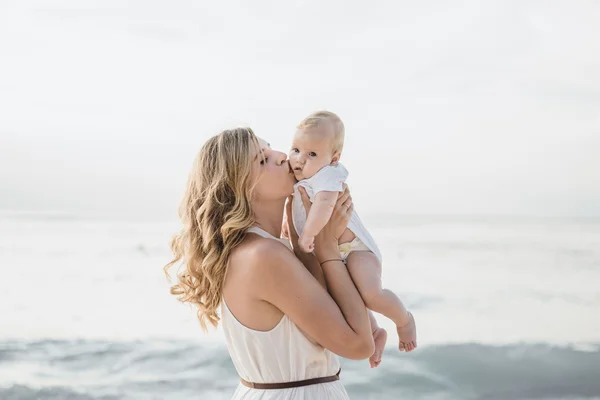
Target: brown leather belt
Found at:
x=287, y=385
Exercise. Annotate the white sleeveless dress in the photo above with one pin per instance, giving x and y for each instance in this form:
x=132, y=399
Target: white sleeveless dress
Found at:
x=282, y=354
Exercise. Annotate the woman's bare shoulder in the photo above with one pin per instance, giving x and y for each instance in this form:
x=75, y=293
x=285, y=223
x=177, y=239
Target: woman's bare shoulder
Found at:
x=249, y=278
x=256, y=253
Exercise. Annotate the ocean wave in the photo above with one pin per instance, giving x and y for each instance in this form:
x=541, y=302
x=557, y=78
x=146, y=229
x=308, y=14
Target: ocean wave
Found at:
x=183, y=369
x=20, y=392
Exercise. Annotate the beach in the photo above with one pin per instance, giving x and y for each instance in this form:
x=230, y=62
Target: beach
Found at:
x=506, y=308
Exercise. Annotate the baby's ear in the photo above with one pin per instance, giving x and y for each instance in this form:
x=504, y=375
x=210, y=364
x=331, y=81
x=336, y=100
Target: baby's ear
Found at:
x=336, y=158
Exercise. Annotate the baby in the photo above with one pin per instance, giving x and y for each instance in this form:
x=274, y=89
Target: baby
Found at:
x=315, y=160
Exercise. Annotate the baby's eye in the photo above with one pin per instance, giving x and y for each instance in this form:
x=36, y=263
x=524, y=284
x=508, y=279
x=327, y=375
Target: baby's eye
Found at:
x=312, y=154
x=295, y=151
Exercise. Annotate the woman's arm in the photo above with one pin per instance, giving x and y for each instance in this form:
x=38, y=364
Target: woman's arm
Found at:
x=308, y=259
x=339, y=322
x=328, y=255
x=312, y=265
x=319, y=214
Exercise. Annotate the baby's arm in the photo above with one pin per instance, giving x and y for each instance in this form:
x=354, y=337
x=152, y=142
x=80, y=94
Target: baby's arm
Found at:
x=317, y=218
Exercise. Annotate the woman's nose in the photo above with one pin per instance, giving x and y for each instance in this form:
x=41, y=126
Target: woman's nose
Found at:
x=281, y=158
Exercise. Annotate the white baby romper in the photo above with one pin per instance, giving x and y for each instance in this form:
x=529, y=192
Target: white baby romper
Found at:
x=330, y=178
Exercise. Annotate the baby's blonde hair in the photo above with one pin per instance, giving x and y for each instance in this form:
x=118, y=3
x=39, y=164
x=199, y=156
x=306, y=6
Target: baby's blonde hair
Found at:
x=321, y=118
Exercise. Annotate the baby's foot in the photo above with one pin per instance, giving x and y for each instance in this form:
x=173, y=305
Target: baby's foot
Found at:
x=379, y=337
x=407, y=335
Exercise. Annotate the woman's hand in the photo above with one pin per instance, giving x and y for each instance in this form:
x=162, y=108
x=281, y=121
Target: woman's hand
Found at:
x=288, y=230
x=341, y=215
x=334, y=228
x=326, y=242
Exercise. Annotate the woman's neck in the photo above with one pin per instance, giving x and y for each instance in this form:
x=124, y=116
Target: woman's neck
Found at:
x=269, y=216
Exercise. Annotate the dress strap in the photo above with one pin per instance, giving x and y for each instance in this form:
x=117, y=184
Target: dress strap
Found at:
x=265, y=234
x=260, y=232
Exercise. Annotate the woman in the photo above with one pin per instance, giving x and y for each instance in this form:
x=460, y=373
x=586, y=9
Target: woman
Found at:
x=283, y=316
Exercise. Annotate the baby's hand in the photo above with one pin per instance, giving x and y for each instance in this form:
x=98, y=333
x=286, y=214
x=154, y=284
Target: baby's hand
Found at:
x=307, y=243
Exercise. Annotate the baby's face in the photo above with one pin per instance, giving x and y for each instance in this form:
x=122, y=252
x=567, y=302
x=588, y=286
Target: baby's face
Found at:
x=311, y=151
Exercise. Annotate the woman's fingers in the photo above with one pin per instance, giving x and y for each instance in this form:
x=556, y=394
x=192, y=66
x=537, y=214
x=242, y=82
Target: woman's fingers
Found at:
x=343, y=196
x=344, y=209
x=349, y=211
x=290, y=223
x=339, y=218
x=284, y=230
x=348, y=202
x=344, y=202
x=284, y=224
x=305, y=199
x=288, y=206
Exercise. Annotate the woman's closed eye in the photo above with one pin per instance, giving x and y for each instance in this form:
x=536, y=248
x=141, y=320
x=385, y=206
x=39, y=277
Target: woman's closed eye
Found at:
x=264, y=160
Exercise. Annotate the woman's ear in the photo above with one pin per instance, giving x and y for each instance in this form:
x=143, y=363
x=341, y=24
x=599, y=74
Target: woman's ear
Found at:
x=336, y=158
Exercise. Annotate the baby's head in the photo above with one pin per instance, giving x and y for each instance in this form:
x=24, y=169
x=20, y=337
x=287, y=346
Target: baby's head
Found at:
x=318, y=142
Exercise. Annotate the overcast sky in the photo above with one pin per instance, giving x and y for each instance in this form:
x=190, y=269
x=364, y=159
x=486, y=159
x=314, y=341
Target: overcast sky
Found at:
x=450, y=107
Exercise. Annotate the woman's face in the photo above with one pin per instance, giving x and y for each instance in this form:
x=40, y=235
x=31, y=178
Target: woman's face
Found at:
x=275, y=178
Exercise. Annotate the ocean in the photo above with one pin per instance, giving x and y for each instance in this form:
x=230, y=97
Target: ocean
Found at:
x=506, y=308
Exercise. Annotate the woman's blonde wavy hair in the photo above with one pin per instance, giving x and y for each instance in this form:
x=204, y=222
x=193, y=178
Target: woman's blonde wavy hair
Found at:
x=215, y=212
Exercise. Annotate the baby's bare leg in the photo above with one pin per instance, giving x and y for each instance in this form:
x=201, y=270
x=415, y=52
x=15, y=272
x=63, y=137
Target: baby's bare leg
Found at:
x=379, y=337
x=365, y=269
